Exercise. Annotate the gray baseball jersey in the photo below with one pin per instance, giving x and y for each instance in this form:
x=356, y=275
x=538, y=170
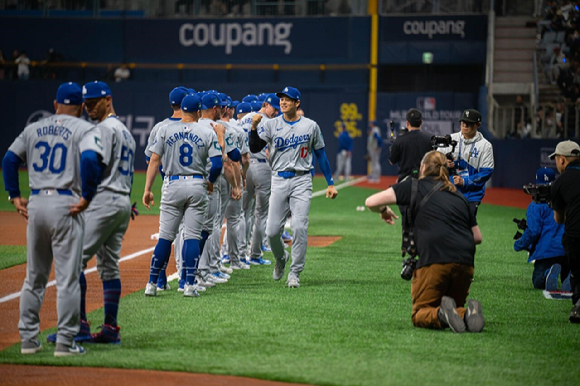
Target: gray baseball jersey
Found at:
x=242, y=139
x=246, y=124
x=185, y=148
x=118, y=155
x=51, y=149
x=154, y=131
x=291, y=144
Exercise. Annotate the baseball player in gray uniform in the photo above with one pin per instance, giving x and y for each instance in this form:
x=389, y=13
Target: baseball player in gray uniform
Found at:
x=61, y=152
x=291, y=140
x=184, y=149
x=209, y=265
x=258, y=182
x=175, y=97
x=374, y=146
x=236, y=227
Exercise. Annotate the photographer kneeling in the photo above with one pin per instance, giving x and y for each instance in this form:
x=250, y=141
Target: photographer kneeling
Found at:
x=445, y=233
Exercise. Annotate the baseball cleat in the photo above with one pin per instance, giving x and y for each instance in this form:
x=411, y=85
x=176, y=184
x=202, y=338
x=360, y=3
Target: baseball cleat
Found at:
x=190, y=291
x=473, y=316
x=293, y=282
x=151, y=289
x=204, y=283
x=225, y=259
x=164, y=287
x=448, y=315
x=199, y=288
x=216, y=278
x=181, y=285
x=239, y=265
x=280, y=266
x=225, y=269
x=260, y=261
x=108, y=334
x=31, y=346
x=287, y=236
x=63, y=350
x=83, y=335
x=266, y=248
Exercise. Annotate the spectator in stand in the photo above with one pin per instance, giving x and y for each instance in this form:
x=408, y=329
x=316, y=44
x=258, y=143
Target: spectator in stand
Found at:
x=122, y=73
x=23, y=63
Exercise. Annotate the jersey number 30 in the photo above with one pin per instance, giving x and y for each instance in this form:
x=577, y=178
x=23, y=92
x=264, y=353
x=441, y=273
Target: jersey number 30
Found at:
x=54, y=158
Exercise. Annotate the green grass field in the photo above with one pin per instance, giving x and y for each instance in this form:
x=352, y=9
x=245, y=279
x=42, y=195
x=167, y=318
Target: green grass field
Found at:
x=350, y=322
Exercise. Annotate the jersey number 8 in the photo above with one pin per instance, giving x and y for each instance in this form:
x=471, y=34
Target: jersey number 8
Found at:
x=185, y=154
x=52, y=153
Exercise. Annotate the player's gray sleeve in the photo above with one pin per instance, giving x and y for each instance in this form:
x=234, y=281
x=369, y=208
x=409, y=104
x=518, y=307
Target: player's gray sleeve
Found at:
x=318, y=140
x=18, y=147
x=157, y=146
x=264, y=130
x=230, y=139
x=91, y=140
x=214, y=148
x=151, y=139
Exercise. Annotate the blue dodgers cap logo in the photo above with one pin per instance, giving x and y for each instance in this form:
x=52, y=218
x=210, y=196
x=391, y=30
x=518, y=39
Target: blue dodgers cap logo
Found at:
x=96, y=89
x=191, y=103
x=273, y=100
x=177, y=94
x=290, y=92
x=69, y=94
x=209, y=101
x=545, y=176
x=243, y=107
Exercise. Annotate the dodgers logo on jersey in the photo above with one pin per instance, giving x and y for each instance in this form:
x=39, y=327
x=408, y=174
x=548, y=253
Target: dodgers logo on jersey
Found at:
x=293, y=142
x=474, y=153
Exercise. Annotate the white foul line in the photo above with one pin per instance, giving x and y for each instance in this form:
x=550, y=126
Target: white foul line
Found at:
x=90, y=270
x=340, y=186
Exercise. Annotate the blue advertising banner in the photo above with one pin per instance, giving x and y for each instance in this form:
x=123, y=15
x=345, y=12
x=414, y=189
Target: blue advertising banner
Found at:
x=324, y=40
x=449, y=39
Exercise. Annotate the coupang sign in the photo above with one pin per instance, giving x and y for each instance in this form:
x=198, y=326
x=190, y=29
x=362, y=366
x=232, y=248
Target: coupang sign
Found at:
x=232, y=35
x=434, y=28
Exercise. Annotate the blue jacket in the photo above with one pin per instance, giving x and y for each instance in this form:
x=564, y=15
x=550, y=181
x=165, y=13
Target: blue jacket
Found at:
x=345, y=142
x=543, y=237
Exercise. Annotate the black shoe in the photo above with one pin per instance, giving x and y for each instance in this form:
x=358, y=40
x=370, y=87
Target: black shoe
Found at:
x=448, y=315
x=474, y=316
x=575, y=313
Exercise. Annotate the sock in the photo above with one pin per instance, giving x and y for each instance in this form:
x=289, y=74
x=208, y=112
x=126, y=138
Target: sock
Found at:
x=83, y=283
x=162, y=279
x=191, y=254
x=111, y=296
x=160, y=257
x=204, y=237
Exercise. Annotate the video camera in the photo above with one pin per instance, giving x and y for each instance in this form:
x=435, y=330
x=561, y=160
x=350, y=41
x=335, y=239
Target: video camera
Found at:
x=410, y=262
x=445, y=141
x=522, y=225
x=541, y=193
x=392, y=127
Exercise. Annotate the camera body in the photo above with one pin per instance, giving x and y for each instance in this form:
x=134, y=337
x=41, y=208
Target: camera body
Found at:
x=438, y=141
x=541, y=193
x=410, y=262
x=522, y=225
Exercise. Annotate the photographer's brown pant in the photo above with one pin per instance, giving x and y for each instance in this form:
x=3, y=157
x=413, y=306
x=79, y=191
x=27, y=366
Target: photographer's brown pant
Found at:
x=431, y=283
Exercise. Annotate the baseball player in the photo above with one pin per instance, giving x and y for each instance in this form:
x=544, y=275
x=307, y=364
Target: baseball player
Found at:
x=183, y=148
x=175, y=97
x=291, y=140
x=108, y=216
x=62, y=154
x=258, y=183
x=374, y=146
x=236, y=226
x=209, y=272
x=344, y=155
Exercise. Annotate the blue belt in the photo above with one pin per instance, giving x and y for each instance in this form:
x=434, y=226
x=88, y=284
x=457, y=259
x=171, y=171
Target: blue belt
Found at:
x=173, y=178
x=291, y=174
x=62, y=192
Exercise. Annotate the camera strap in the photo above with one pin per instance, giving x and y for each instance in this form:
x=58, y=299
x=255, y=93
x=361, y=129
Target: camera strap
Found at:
x=413, y=209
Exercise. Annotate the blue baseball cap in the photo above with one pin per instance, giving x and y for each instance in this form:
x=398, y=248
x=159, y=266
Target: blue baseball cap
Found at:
x=224, y=99
x=244, y=107
x=96, y=89
x=290, y=92
x=177, y=94
x=545, y=176
x=235, y=104
x=191, y=91
x=262, y=96
x=256, y=105
x=209, y=101
x=249, y=98
x=191, y=103
x=273, y=100
x=69, y=94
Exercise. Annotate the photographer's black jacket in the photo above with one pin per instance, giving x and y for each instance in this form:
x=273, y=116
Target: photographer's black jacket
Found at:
x=566, y=197
x=442, y=226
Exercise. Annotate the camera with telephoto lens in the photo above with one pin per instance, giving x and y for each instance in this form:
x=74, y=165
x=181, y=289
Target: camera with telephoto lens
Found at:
x=541, y=193
x=410, y=262
x=438, y=141
x=522, y=225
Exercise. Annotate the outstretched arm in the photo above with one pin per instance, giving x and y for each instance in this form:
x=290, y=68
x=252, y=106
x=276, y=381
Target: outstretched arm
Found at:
x=325, y=167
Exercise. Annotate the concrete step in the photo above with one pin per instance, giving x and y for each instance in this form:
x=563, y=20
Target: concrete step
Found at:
x=517, y=44
x=515, y=21
x=513, y=66
x=511, y=54
x=512, y=77
x=515, y=32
